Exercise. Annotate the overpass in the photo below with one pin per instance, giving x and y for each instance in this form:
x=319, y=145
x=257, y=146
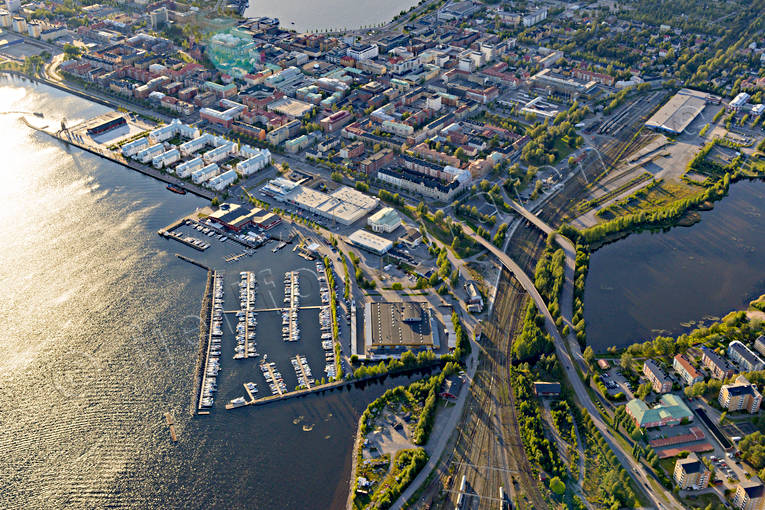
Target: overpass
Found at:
x=634, y=468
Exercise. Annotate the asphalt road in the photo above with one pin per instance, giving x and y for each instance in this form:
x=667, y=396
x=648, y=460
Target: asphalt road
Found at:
x=634, y=468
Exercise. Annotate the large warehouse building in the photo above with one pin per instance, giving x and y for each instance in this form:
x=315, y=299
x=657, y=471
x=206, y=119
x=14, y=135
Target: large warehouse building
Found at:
x=344, y=205
x=679, y=111
x=393, y=328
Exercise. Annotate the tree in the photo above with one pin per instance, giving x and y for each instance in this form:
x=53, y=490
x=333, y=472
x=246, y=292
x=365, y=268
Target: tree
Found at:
x=72, y=52
x=626, y=361
x=588, y=355
x=644, y=390
x=557, y=486
x=215, y=202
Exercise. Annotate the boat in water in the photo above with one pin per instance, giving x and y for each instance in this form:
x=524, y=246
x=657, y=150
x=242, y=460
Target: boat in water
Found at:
x=176, y=189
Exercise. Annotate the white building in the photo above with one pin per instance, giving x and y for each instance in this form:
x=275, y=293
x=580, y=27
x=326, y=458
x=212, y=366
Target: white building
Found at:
x=184, y=169
x=148, y=153
x=166, y=158
x=385, y=220
x=363, y=51
x=34, y=29
x=5, y=18
x=222, y=181
x=198, y=143
x=219, y=153
x=255, y=163
x=13, y=5
x=370, y=242
x=534, y=17
x=19, y=24
x=204, y=174
x=176, y=127
x=134, y=147
x=739, y=101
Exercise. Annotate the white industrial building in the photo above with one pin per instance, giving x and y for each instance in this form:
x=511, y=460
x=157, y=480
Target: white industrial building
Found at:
x=255, y=163
x=196, y=144
x=219, y=153
x=176, y=127
x=739, y=101
x=134, y=147
x=166, y=158
x=370, y=242
x=148, y=153
x=345, y=205
x=184, y=169
x=221, y=181
x=205, y=173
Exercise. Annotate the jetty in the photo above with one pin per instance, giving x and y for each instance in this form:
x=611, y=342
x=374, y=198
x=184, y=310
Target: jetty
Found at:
x=208, y=363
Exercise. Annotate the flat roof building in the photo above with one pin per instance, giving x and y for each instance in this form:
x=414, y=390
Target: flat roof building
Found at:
x=691, y=473
x=749, y=496
x=678, y=112
x=393, y=328
x=740, y=396
x=370, y=242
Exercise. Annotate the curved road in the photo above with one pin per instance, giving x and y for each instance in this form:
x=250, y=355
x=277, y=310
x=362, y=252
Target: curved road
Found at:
x=634, y=468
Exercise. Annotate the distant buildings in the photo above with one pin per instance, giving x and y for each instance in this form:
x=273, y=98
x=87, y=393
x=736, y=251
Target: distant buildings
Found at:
x=746, y=359
x=344, y=205
x=691, y=474
x=740, y=396
x=670, y=411
x=688, y=372
x=363, y=51
x=656, y=376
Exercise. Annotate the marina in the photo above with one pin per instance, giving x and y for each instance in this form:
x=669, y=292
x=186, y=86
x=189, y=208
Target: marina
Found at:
x=245, y=329
x=303, y=371
x=290, y=328
x=208, y=383
x=273, y=378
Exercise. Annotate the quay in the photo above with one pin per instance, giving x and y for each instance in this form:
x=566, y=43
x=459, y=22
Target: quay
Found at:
x=117, y=158
x=205, y=327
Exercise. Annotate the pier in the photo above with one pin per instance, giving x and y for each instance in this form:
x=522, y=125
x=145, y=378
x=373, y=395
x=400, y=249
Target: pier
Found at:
x=330, y=386
x=274, y=378
x=299, y=363
x=249, y=313
x=192, y=261
x=204, y=331
x=207, y=363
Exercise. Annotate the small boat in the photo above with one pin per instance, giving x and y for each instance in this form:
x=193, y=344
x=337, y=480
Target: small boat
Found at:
x=176, y=189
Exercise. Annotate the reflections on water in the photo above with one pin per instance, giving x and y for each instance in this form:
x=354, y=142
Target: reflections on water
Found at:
x=663, y=283
x=101, y=333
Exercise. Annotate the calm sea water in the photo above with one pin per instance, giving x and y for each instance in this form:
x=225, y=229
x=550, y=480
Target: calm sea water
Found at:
x=100, y=342
x=652, y=283
x=305, y=15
